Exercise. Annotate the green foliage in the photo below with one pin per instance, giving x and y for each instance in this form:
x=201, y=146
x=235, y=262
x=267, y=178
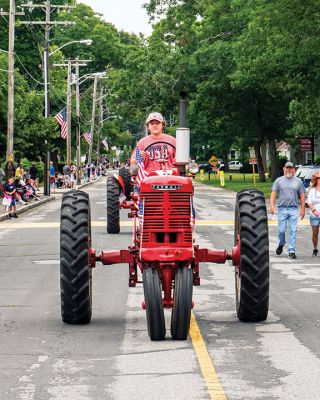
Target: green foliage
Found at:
x=39, y=165
x=251, y=75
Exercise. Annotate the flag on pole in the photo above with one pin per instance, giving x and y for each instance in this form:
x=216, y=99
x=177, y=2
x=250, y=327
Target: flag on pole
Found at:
x=105, y=143
x=87, y=136
x=61, y=118
x=142, y=172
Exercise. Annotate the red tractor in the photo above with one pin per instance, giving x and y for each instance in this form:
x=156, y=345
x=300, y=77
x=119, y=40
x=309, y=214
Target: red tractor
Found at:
x=164, y=253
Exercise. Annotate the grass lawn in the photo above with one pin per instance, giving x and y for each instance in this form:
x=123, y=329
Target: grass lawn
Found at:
x=237, y=182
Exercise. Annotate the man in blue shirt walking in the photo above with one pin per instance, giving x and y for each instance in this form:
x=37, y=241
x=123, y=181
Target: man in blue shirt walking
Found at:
x=290, y=191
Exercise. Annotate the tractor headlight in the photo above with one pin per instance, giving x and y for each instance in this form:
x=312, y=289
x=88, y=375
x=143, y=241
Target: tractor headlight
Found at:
x=193, y=168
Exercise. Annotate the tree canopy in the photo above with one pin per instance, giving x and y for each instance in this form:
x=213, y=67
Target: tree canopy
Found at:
x=250, y=70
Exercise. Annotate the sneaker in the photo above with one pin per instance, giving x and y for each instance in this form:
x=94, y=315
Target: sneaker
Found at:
x=292, y=255
x=22, y=202
x=10, y=216
x=15, y=216
x=315, y=253
x=279, y=250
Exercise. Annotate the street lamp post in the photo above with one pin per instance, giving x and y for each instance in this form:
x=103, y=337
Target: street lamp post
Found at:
x=46, y=55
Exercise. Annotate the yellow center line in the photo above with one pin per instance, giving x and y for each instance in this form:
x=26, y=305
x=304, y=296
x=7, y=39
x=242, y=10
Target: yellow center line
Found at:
x=29, y=225
x=214, y=386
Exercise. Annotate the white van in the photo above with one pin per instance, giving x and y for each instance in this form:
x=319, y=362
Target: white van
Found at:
x=234, y=165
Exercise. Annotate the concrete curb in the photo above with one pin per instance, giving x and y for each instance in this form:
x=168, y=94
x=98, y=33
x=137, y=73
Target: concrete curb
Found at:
x=4, y=216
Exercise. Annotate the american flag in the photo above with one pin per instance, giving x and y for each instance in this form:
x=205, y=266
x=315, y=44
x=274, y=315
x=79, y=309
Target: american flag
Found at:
x=193, y=214
x=142, y=172
x=105, y=143
x=61, y=118
x=87, y=136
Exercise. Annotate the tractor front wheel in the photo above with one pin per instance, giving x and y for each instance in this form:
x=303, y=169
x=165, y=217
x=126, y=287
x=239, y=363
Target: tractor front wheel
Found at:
x=75, y=273
x=252, y=273
x=153, y=304
x=113, y=211
x=182, y=304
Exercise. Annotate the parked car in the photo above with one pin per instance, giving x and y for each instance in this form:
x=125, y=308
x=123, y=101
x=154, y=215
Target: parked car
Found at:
x=302, y=171
x=234, y=165
x=310, y=172
x=305, y=173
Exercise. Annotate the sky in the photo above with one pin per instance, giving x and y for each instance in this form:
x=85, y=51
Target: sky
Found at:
x=127, y=15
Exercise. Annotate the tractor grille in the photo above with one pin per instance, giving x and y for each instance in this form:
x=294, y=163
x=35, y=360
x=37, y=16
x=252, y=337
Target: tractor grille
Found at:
x=153, y=211
x=167, y=217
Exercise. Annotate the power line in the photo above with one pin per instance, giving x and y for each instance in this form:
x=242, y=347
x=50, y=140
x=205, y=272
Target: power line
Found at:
x=32, y=77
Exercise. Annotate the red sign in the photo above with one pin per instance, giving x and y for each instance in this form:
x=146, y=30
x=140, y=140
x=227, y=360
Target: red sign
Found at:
x=305, y=144
x=253, y=161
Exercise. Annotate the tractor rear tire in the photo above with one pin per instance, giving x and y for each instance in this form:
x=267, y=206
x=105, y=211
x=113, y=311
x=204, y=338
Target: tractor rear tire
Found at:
x=252, y=276
x=124, y=172
x=113, y=211
x=153, y=303
x=75, y=273
x=182, y=304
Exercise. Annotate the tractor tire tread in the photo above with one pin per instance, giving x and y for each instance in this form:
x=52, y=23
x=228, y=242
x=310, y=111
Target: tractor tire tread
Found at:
x=113, y=211
x=254, y=299
x=154, y=305
x=75, y=274
x=124, y=172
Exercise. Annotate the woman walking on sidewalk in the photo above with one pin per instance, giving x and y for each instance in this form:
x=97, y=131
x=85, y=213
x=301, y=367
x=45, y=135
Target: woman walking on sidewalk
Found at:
x=314, y=207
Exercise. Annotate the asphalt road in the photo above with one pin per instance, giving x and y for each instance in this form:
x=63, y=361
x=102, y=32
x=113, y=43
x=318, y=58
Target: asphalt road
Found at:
x=41, y=358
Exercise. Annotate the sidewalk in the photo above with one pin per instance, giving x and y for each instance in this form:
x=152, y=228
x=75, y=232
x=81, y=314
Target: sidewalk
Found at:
x=43, y=199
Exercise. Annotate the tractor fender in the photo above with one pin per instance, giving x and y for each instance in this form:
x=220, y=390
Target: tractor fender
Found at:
x=120, y=181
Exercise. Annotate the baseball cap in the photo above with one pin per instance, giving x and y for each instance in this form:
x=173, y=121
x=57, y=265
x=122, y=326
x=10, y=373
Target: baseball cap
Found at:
x=288, y=164
x=154, y=116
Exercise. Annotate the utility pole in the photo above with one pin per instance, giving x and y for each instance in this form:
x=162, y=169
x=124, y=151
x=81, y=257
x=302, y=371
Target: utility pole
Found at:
x=10, y=125
x=10, y=116
x=46, y=59
x=93, y=116
x=78, y=131
x=69, y=94
x=48, y=24
x=100, y=123
x=69, y=64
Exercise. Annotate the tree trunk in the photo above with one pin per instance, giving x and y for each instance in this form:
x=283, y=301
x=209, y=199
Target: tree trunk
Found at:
x=274, y=162
x=262, y=177
x=263, y=149
x=225, y=161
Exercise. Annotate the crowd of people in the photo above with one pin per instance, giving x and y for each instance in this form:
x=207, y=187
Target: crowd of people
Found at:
x=66, y=178
x=18, y=185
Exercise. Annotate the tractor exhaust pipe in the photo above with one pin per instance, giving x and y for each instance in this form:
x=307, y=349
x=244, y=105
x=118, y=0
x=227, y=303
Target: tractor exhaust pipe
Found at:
x=182, y=137
x=182, y=109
